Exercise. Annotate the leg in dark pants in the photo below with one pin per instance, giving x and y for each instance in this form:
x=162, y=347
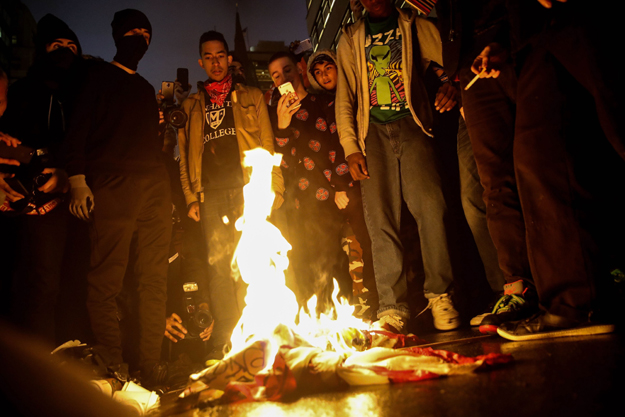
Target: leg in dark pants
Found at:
x=563, y=251
x=153, y=238
x=42, y=241
x=471, y=192
x=489, y=107
x=221, y=240
x=126, y=204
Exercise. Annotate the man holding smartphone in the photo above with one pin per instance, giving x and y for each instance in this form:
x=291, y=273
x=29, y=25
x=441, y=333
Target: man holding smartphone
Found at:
x=119, y=184
x=224, y=120
x=305, y=133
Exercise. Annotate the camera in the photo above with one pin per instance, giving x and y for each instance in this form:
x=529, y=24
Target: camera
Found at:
x=196, y=317
x=41, y=179
x=173, y=114
x=28, y=178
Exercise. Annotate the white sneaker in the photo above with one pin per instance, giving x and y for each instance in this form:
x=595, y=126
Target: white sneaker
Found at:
x=445, y=315
x=477, y=320
x=393, y=323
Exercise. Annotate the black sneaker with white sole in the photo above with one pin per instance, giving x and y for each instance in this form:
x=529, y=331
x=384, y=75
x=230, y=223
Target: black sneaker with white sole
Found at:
x=517, y=302
x=545, y=325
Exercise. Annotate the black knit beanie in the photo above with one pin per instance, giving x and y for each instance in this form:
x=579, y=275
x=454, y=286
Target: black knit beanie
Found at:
x=50, y=28
x=129, y=19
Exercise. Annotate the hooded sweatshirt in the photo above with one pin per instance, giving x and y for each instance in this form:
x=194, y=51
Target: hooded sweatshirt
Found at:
x=325, y=55
x=343, y=181
x=40, y=104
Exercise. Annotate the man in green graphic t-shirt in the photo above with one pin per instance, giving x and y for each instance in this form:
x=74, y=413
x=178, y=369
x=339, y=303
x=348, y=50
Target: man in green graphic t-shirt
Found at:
x=382, y=102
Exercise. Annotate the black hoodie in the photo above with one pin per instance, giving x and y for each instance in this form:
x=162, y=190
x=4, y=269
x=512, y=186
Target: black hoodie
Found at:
x=40, y=104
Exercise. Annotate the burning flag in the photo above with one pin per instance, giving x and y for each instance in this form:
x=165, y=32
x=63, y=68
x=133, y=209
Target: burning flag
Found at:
x=278, y=348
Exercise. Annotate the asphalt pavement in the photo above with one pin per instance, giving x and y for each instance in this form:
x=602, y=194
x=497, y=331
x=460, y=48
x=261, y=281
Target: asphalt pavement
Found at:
x=573, y=376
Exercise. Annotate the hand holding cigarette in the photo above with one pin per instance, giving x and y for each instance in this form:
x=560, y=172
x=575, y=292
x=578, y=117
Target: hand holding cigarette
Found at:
x=477, y=77
x=488, y=62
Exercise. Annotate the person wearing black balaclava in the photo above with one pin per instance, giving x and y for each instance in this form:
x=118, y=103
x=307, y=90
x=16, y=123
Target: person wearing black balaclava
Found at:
x=40, y=106
x=120, y=186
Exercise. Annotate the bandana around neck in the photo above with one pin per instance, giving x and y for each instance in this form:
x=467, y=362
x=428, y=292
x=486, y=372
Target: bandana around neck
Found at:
x=218, y=90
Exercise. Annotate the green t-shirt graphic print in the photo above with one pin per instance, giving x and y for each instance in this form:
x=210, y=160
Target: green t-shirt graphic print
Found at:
x=383, y=49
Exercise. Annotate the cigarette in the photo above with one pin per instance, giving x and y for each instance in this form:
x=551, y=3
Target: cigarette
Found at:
x=477, y=77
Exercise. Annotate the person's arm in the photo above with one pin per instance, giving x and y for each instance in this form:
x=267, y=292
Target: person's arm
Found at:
x=429, y=43
x=9, y=141
x=340, y=178
x=183, y=146
x=267, y=138
x=80, y=127
x=174, y=330
x=489, y=62
x=283, y=142
x=180, y=94
x=169, y=142
x=446, y=96
x=548, y=4
x=281, y=117
x=13, y=117
x=82, y=202
x=346, y=97
x=8, y=192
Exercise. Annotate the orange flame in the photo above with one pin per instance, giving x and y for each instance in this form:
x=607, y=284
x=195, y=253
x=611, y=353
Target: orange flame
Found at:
x=271, y=307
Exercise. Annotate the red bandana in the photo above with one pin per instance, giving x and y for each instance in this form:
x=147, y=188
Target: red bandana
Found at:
x=218, y=90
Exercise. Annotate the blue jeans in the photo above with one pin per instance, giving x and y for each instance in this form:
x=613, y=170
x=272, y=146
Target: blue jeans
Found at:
x=403, y=163
x=221, y=241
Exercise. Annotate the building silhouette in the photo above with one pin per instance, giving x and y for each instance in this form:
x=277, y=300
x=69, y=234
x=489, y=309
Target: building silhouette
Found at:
x=256, y=58
x=17, y=33
x=326, y=18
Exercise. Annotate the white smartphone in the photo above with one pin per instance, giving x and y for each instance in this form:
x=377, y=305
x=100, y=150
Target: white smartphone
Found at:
x=303, y=46
x=287, y=88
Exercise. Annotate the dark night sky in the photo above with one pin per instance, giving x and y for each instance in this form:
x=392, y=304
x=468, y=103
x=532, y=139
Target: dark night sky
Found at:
x=177, y=26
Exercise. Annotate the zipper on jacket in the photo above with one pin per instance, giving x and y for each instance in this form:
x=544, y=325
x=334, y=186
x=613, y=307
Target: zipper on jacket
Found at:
x=452, y=32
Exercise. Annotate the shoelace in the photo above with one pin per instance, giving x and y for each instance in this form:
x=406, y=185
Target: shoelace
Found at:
x=441, y=298
x=393, y=320
x=508, y=302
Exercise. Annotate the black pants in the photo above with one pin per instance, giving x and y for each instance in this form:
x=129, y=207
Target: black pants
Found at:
x=539, y=140
x=490, y=111
x=41, y=245
x=565, y=111
x=125, y=205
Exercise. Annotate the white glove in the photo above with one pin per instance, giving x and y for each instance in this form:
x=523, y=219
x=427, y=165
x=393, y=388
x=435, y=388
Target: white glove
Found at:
x=82, y=203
